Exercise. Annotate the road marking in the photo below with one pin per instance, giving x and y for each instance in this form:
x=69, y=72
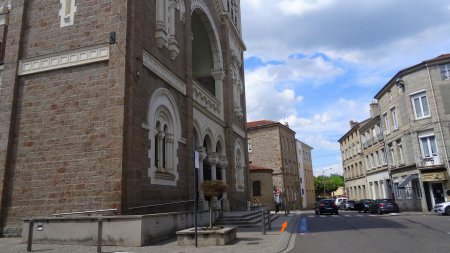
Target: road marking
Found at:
x=303, y=226
x=283, y=227
x=347, y=215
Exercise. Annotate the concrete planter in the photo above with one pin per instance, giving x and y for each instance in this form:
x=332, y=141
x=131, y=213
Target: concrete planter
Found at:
x=216, y=237
x=123, y=230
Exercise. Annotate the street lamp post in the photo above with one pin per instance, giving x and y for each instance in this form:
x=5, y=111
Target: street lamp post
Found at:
x=323, y=177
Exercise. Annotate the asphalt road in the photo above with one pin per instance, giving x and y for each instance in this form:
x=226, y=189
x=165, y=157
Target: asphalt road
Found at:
x=366, y=233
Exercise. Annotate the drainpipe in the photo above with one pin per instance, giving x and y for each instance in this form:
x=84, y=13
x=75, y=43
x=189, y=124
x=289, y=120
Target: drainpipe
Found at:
x=438, y=118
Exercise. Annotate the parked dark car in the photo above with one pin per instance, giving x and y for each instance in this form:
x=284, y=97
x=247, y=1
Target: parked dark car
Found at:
x=381, y=206
x=363, y=205
x=326, y=206
x=347, y=205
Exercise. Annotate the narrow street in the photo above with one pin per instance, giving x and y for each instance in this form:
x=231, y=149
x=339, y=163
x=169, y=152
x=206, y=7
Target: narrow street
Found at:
x=362, y=232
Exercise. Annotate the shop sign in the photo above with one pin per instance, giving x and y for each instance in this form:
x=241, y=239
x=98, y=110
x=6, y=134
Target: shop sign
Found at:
x=436, y=176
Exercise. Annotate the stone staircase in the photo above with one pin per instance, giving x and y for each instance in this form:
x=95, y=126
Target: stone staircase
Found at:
x=244, y=218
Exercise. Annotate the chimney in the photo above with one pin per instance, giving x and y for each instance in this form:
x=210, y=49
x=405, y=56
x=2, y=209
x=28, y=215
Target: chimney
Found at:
x=353, y=123
x=374, y=109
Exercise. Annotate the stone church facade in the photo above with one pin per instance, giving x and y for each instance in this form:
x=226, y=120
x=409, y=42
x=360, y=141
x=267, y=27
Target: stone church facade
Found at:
x=104, y=104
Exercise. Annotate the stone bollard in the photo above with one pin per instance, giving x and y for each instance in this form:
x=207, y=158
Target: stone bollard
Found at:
x=269, y=220
x=30, y=235
x=263, y=222
x=99, y=235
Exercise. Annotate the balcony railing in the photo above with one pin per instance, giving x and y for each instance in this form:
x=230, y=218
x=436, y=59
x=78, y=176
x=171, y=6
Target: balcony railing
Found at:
x=429, y=161
x=206, y=99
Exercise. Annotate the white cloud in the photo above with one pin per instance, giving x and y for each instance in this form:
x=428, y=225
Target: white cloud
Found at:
x=299, y=7
x=331, y=58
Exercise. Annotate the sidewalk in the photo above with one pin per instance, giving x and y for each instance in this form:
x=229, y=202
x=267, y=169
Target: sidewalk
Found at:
x=248, y=240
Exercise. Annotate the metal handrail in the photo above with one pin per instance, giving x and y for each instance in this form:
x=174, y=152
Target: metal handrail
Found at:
x=86, y=212
x=163, y=204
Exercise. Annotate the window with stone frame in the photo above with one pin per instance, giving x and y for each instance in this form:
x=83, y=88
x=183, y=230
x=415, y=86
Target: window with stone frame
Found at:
x=400, y=152
x=163, y=140
x=420, y=105
x=239, y=169
x=233, y=12
x=67, y=12
x=416, y=188
x=164, y=134
x=397, y=191
x=445, y=71
x=394, y=118
x=256, y=188
x=428, y=145
x=165, y=24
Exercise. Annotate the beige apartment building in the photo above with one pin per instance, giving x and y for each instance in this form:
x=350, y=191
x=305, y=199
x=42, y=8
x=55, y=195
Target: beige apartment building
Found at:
x=375, y=162
x=415, y=111
x=405, y=143
x=272, y=145
x=305, y=168
x=352, y=162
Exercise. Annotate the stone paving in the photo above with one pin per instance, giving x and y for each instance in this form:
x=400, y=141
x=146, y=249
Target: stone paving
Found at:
x=249, y=239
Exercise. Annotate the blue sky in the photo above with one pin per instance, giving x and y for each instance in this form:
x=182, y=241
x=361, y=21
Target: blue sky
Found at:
x=317, y=64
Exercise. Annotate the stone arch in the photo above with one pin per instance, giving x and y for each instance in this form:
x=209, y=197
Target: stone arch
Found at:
x=200, y=5
x=207, y=63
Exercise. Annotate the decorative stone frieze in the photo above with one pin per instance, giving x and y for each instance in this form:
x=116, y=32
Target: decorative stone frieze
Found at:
x=64, y=60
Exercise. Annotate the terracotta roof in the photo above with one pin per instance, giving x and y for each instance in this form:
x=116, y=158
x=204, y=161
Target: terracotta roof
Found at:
x=260, y=123
x=442, y=56
x=253, y=168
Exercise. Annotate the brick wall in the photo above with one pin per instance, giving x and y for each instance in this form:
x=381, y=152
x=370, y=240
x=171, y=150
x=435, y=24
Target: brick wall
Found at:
x=67, y=124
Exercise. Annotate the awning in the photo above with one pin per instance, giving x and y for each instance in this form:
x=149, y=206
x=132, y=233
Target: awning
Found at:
x=407, y=179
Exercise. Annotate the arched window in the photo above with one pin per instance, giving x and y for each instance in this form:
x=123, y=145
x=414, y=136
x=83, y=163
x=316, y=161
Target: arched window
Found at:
x=164, y=135
x=256, y=188
x=239, y=166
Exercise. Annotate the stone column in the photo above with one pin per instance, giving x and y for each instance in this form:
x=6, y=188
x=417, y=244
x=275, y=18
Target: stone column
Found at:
x=160, y=138
x=201, y=198
x=213, y=160
x=169, y=153
x=223, y=164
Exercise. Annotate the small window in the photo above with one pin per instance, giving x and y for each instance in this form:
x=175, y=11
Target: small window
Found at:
x=387, y=125
x=420, y=105
x=428, y=146
x=445, y=71
x=256, y=188
x=394, y=118
x=397, y=191
x=67, y=12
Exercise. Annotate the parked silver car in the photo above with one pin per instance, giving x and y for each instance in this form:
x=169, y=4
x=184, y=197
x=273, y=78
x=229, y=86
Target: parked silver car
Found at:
x=442, y=208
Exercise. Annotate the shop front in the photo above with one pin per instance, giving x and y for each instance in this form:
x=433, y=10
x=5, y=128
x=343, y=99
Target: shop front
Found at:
x=435, y=185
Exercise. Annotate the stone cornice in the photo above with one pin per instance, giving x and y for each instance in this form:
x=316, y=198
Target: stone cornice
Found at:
x=160, y=70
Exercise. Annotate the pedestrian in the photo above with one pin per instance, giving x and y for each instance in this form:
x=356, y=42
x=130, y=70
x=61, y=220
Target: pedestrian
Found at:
x=277, y=198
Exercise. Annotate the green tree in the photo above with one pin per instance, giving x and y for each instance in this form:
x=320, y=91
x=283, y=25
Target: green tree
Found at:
x=327, y=184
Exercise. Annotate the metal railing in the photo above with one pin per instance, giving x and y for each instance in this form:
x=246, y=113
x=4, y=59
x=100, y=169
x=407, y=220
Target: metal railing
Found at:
x=162, y=204
x=429, y=161
x=102, y=211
